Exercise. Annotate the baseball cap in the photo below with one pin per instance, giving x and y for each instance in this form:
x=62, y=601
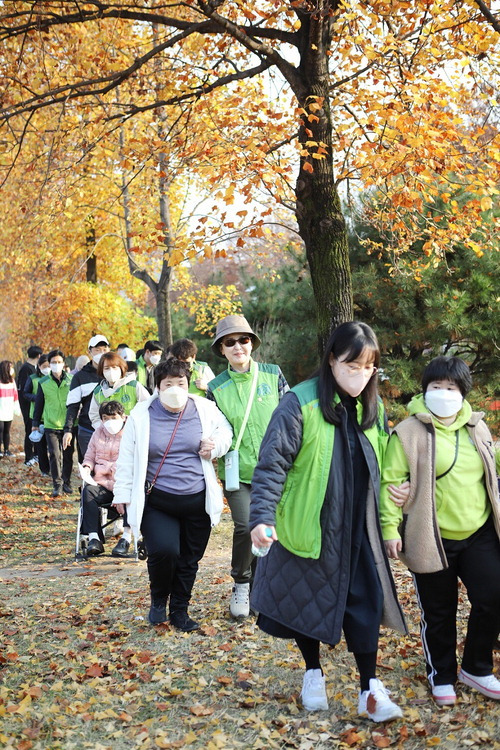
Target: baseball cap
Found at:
x=98, y=339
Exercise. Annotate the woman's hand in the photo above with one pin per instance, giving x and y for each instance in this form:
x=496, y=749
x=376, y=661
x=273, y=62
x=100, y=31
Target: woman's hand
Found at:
x=393, y=547
x=399, y=495
x=259, y=536
x=120, y=508
x=206, y=447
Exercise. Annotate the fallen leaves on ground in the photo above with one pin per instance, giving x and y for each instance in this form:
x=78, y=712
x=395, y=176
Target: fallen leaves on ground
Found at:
x=81, y=668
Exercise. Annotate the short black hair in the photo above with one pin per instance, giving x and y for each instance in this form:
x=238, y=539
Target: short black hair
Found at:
x=34, y=351
x=448, y=368
x=55, y=353
x=111, y=408
x=123, y=346
x=183, y=348
x=152, y=345
x=174, y=368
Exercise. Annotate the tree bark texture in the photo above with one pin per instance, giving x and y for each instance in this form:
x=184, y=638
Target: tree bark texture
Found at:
x=318, y=209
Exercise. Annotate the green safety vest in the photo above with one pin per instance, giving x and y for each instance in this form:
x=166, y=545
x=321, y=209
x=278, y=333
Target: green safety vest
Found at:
x=231, y=391
x=141, y=371
x=298, y=513
x=35, y=379
x=197, y=371
x=54, y=411
x=126, y=395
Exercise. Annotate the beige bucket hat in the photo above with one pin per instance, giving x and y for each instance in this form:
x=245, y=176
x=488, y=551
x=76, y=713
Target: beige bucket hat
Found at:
x=232, y=324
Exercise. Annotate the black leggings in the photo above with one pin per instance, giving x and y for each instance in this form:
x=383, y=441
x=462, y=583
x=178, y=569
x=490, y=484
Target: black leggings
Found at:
x=176, y=530
x=5, y=435
x=366, y=663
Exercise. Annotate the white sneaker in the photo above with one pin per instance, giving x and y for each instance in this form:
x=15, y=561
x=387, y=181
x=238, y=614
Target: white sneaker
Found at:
x=488, y=685
x=376, y=703
x=313, y=694
x=240, y=600
x=444, y=695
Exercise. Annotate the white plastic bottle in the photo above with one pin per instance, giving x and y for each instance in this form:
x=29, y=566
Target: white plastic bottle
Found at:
x=262, y=551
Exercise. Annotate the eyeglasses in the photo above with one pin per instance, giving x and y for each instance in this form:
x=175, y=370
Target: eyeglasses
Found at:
x=241, y=340
x=353, y=370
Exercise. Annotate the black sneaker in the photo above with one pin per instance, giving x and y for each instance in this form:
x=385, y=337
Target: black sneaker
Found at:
x=67, y=489
x=182, y=621
x=158, y=611
x=8, y=453
x=56, y=492
x=121, y=549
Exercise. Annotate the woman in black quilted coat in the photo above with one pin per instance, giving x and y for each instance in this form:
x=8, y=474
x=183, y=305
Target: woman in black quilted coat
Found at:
x=315, y=492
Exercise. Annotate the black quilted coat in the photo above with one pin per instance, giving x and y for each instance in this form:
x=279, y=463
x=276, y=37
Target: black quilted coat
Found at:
x=303, y=594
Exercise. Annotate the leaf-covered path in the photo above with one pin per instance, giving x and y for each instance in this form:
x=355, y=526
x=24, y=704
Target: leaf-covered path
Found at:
x=81, y=668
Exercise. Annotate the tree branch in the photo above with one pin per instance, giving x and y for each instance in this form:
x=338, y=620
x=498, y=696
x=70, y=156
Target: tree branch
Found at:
x=488, y=15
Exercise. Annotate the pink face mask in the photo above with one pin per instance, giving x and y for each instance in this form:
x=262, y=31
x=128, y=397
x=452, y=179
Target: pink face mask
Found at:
x=351, y=377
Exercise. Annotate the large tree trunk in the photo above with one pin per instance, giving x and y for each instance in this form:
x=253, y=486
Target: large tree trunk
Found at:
x=91, y=261
x=163, y=315
x=318, y=210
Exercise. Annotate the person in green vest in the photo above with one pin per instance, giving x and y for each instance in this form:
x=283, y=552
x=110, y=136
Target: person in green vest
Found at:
x=151, y=356
x=50, y=410
x=314, y=511
x=116, y=383
x=252, y=389
x=201, y=374
x=30, y=390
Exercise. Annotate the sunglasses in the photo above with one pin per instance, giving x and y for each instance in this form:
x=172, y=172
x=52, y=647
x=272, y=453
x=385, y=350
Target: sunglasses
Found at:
x=240, y=340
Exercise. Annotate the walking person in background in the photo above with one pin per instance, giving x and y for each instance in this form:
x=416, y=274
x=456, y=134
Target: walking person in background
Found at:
x=201, y=374
x=166, y=481
x=30, y=391
x=80, y=394
x=9, y=404
x=315, y=492
x=116, y=383
x=26, y=370
x=247, y=393
x=50, y=410
x=146, y=363
x=449, y=527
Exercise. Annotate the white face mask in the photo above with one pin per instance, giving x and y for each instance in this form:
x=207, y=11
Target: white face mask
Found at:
x=112, y=374
x=443, y=403
x=97, y=357
x=113, y=426
x=57, y=367
x=45, y=370
x=174, y=397
x=154, y=359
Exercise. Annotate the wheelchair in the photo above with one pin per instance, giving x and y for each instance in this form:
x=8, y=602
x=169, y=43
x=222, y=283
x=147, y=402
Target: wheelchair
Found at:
x=108, y=516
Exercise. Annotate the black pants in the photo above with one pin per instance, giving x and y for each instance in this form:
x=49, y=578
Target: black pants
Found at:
x=93, y=499
x=176, y=530
x=43, y=456
x=61, y=462
x=5, y=435
x=476, y=562
x=28, y=445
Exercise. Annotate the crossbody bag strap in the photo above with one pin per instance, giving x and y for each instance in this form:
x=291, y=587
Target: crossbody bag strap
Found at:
x=454, y=458
x=150, y=485
x=249, y=406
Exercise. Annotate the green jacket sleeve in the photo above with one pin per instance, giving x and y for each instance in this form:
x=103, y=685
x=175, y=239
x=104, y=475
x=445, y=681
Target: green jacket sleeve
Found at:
x=395, y=471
